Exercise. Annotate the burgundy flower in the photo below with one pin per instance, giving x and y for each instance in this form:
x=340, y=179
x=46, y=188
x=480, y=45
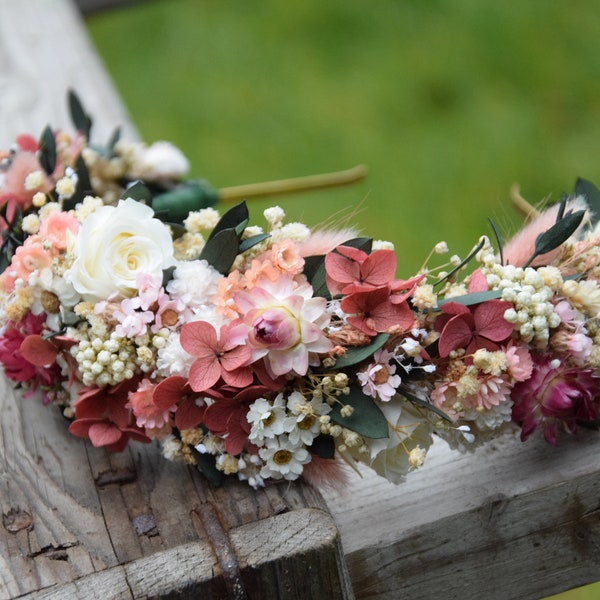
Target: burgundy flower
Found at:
x=19, y=364
x=555, y=395
x=101, y=416
x=472, y=328
x=176, y=390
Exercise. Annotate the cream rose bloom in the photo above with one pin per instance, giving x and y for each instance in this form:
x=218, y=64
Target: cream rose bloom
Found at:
x=114, y=245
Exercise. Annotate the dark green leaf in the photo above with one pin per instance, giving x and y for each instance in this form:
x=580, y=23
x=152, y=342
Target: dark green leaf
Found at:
x=205, y=463
x=80, y=118
x=252, y=241
x=175, y=205
x=167, y=275
x=361, y=243
x=232, y=219
x=557, y=234
x=586, y=188
x=498, y=240
x=462, y=264
x=220, y=251
x=83, y=187
x=474, y=298
x=314, y=269
x=407, y=393
x=356, y=354
x=112, y=142
x=367, y=419
x=138, y=191
x=48, y=150
x=323, y=446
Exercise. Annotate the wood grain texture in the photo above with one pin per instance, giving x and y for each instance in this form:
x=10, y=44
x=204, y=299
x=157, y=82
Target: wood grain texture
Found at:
x=511, y=520
x=79, y=522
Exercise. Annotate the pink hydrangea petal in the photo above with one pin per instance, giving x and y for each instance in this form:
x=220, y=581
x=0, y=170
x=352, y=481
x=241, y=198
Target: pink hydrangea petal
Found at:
x=104, y=434
x=204, y=373
x=490, y=321
x=457, y=333
x=379, y=267
x=198, y=338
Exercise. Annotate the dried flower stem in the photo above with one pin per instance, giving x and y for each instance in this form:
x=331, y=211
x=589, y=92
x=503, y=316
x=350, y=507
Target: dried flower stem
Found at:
x=296, y=184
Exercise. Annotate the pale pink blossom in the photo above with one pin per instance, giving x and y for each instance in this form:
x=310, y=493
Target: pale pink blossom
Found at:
x=283, y=323
x=379, y=379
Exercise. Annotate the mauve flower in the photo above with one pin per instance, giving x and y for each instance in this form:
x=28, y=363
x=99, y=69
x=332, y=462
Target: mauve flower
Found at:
x=190, y=406
x=555, y=395
x=351, y=270
x=472, y=328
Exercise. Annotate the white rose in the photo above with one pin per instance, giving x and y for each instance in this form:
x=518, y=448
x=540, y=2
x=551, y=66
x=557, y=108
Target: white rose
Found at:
x=114, y=244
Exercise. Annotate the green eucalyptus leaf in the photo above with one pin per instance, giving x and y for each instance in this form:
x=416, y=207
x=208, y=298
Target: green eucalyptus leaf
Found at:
x=232, y=219
x=356, y=354
x=112, y=142
x=323, y=446
x=367, y=419
x=221, y=250
x=361, y=243
x=314, y=269
x=586, y=188
x=498, y=237
x=205, y=463
x=474, y=298
x=81, y=120
x=252, y=241
x=48, y=150
x=559, y=233
x=462, y=264
x=83, y=187
x=138, y=191
x=176, y=204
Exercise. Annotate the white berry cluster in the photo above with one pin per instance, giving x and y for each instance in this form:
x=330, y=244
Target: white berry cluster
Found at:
x=105, y=360
x=531, y=291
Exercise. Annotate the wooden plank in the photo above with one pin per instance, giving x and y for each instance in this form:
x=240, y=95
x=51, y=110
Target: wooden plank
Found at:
x=511, y=520
x=82, y=523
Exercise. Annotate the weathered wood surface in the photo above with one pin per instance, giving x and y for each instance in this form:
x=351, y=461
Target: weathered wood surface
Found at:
x=78, y=522
x=511, y=521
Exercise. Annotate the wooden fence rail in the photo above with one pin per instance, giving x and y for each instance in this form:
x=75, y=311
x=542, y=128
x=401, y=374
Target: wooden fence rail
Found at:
x=509, y=521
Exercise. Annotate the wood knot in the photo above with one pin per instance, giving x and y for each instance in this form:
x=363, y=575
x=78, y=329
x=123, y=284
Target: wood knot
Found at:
x=16, y=520
x=117, y=477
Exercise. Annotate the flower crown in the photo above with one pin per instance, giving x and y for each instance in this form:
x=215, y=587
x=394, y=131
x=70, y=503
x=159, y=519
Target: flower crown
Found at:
x=273, y=352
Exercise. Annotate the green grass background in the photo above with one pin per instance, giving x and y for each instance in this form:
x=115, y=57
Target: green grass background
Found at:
x=448, y=102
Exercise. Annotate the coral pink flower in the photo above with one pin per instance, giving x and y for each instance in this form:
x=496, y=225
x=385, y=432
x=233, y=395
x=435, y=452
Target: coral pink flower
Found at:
x=351, y=270
x=55, y=226
x=282, y=322
x=150, y=411
x=190, y=407
x=472, y=328
x=215, y=358
x=32, y=257
x=286, y=257
x=520, y=364
x=373, y=312
x=101, y=415
x=555, y=395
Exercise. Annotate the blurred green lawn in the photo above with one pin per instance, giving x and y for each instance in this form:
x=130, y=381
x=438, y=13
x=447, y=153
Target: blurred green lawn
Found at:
x=448, y=102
